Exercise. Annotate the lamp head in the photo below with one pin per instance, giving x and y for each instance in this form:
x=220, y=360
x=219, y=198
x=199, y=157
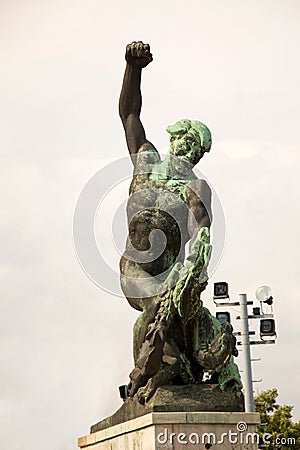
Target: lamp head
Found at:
x=221, y=290
x=264, y=295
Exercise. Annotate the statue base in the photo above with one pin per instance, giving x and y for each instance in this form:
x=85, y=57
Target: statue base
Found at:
x=192, y=398
x=178, y=430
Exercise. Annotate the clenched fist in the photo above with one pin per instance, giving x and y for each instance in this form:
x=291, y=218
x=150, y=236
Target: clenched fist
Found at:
x=138, y=54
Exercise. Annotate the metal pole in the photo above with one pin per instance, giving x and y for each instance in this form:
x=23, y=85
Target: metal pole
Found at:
x=249, y=400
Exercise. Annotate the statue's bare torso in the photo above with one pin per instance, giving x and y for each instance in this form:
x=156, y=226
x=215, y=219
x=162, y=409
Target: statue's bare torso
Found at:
x=167, y=204
x=158, y=202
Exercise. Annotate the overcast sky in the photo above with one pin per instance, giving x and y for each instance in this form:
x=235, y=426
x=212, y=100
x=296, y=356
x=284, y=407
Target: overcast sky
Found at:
x=66, y=344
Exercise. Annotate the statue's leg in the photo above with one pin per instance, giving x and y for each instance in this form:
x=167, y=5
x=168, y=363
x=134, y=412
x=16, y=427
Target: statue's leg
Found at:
x=172, y=364
x=148, y=305
x=148, y=352
x=141, y=325
x=139, y=287
x=134, y=280
x=165, y=374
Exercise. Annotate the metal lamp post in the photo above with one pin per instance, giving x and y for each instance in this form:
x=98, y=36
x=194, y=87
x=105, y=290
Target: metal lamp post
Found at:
x=249, y=399
x=263, y=294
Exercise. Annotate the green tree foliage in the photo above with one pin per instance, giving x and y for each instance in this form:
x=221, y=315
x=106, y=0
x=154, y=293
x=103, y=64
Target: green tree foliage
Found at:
x=285, y=434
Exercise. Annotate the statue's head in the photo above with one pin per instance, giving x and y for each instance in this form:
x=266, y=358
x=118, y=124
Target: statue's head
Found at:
x=190, y=139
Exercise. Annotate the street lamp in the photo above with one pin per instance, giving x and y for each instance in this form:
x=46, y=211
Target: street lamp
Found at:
x=267, y=328
x=264, y=295
x=220, y=290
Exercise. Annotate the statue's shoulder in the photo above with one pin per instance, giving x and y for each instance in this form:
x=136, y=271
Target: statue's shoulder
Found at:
x=147, y=155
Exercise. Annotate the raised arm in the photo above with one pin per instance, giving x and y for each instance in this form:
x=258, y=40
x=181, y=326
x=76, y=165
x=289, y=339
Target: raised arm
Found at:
x=137, y=56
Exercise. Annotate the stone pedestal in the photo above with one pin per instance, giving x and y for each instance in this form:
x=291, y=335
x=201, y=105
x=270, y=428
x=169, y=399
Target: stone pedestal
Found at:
x=178, y=417
x=178, y=430
x=189, y=397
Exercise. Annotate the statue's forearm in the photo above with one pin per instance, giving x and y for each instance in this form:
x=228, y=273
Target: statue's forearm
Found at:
x=131, y=98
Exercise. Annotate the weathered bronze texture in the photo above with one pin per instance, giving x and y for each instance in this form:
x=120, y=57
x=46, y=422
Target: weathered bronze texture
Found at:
x=176, y=339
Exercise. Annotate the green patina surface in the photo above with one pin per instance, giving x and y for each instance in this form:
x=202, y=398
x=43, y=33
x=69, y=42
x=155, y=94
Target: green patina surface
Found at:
x=176, y=339
x=208, y=341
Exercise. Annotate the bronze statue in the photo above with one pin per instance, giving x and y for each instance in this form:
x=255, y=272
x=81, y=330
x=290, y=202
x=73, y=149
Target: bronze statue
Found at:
x=176, y=339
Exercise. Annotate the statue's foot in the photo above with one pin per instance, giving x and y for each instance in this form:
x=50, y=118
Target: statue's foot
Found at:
x=136, y=381
x=145, y=393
